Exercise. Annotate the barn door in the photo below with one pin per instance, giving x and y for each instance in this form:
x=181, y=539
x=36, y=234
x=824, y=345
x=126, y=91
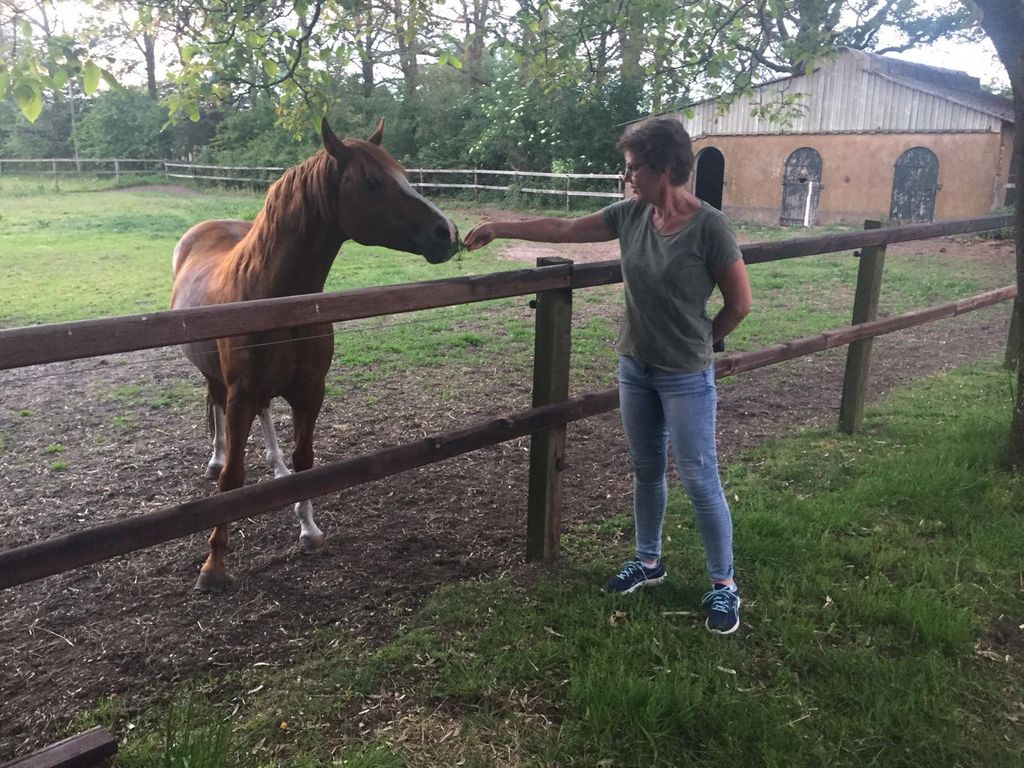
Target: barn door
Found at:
x=801, y=187
x=710, y=176
x=914, y=184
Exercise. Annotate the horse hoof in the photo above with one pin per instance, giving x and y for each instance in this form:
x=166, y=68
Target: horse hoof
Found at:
x=213, y=471
x=211, y=582
x=312, y=544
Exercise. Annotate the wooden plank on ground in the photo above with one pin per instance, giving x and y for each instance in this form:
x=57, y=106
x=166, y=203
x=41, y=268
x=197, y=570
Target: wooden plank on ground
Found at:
x=83, y=750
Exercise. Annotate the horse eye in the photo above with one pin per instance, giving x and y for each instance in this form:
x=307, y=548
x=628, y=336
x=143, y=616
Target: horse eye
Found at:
x=371, y=183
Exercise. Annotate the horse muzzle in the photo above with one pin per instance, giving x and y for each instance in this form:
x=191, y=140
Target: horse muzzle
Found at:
x=442, y=243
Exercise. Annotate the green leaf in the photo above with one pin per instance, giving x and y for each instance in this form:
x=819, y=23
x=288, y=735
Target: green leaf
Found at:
x=60, y=78
x=29, y=101
x=4, y=79
x=188, y=52
x=90, y=78
x=271, y=68
x=193, y=112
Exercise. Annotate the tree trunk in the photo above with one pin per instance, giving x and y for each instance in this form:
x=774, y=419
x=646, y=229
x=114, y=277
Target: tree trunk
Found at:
x=477, y=21
x=1016, y=449
x=1003, y=22
x=149, y=47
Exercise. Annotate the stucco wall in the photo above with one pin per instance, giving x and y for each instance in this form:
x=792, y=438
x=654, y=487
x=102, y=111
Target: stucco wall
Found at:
x=857, y=173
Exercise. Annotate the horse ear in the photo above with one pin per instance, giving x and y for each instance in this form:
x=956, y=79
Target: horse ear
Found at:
x=377, y=134
x=332, y=143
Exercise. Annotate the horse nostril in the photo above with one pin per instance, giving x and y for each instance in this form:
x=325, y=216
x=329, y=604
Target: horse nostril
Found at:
x=442, y=233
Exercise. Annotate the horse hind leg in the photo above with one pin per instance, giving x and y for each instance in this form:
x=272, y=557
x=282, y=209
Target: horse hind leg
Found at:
x=310, y=536
x=219, y=440
x=216, y=397
x=275, y=456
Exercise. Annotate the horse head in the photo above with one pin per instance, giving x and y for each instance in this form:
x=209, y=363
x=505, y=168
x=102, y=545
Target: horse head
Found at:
x=389, y=212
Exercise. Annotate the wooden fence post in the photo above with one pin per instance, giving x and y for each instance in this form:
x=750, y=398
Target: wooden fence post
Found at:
x=552, y=344
x=858, y=354
x=1013, y=338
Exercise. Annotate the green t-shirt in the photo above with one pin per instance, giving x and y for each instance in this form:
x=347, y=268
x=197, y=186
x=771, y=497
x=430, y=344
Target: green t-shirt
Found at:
x=668, y=280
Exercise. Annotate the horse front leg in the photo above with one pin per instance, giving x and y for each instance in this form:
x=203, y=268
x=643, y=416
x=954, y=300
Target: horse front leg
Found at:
x=239, y=415
x=311, y=538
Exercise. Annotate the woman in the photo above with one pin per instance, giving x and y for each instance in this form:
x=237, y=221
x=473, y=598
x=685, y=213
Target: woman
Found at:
x=675, y=250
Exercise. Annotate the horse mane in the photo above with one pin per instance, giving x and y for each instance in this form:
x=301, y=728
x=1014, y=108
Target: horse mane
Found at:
x=304, y=203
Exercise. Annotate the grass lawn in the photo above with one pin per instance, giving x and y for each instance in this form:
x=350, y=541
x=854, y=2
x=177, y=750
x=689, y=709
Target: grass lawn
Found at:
x=94, y=250
x=882, y=583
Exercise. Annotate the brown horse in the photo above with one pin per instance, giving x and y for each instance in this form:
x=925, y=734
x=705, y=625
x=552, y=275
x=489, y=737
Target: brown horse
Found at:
x=352, y=189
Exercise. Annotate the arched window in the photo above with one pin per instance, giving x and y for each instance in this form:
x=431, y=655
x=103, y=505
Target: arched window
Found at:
x=710, y=176
x=915, y=182
x=801, y=187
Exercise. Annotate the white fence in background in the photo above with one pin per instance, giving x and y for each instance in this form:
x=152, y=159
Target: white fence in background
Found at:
x=58, y=167
x=565, y=186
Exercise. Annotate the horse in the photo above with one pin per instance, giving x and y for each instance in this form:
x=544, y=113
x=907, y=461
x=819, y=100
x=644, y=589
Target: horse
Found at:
x=349, y=190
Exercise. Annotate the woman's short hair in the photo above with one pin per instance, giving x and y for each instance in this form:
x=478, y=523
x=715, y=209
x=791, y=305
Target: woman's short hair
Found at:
x=661, y=142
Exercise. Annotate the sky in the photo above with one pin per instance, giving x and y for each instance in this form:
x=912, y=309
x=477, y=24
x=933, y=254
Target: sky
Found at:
x=976, y=59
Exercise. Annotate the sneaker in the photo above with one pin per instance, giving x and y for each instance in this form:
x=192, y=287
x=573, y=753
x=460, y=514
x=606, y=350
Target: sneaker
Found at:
x=722, y=606
x=634, y=575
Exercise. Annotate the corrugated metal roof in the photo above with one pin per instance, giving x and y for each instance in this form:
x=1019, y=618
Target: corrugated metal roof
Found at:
x=858, y=92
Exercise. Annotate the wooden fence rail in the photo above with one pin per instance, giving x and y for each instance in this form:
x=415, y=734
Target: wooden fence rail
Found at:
x=102, y=542
x=58, y=167
x=28, y=346
x=564, y=185
x=475, y=180
x=90, y=338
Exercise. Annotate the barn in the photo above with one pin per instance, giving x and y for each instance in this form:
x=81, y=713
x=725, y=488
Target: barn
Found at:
x=862, y=136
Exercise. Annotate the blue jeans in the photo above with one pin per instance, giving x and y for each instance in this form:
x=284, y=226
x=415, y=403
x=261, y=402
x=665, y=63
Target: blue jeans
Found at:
x=658, y=405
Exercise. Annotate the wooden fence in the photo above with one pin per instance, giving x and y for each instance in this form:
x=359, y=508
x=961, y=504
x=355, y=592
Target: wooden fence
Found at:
x=553, y=283
x=58, y=168
x=447, y=180
x=567, y=186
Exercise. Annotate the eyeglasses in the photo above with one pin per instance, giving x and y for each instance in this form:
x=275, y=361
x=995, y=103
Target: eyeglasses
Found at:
x=631, y=169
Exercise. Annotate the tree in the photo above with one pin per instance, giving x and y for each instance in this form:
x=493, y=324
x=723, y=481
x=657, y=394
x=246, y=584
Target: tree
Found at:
x=38, y=58
x=124, y=123
x=1003, y=22
x=251, y=136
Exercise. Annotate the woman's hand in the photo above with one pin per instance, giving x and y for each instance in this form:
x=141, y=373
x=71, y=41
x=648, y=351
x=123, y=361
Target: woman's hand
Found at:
x=479, y=236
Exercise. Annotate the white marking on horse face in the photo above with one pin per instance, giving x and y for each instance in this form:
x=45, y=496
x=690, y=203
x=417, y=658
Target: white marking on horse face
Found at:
x=408, y=189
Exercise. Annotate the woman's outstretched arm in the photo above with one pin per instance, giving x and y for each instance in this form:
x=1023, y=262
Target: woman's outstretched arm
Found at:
x=585, y=229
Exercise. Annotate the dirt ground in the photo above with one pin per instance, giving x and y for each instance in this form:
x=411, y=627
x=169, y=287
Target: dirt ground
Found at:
x=95, y=440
